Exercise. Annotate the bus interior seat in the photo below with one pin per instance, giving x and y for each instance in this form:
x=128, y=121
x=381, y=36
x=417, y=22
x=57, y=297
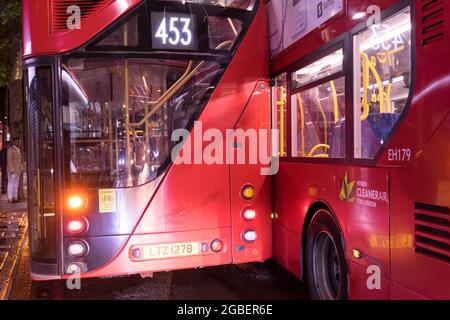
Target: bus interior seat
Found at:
x=374, y=132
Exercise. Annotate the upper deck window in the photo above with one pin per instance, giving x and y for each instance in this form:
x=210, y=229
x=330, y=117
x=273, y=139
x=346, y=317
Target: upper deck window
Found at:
x=120, y=110
x=223, y=32
x=383, y=56
x=179, y=26
x=126, y=35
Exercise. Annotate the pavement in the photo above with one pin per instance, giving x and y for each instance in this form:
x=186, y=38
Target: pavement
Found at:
x=13, y=234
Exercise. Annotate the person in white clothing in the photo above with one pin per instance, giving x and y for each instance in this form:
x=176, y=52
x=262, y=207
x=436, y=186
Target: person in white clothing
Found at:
x=14, y=170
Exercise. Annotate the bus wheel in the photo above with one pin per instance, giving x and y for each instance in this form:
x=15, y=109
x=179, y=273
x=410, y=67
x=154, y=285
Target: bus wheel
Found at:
x=326, y=264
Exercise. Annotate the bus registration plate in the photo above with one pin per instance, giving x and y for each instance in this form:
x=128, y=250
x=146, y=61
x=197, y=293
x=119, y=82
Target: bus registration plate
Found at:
x=171, y=250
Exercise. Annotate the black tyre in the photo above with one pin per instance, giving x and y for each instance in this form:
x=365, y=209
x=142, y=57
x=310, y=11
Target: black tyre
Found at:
x=326, y=266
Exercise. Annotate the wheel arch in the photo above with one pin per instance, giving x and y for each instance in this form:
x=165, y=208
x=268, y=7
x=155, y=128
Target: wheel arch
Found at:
x=313, y=209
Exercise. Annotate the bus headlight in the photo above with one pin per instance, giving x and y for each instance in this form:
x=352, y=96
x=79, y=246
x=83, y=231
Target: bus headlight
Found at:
x=249, y=236
x=78, y=249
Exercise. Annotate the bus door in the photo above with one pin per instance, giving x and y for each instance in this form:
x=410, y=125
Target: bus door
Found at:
x=41, y=169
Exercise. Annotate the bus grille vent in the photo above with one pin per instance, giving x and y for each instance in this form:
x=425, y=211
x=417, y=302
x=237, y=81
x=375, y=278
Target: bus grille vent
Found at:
x=87, y=9
x=433, y=21
x=432, y=231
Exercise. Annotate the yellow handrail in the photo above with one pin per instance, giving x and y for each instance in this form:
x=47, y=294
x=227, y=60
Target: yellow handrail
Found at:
x=325, y=146
x=381, y=97
x=325, y=124
x=388, y=98
x=335, y=102
x=391, y=53
x=188, y=74
x=365, y=75
x=380, y=87
x=168, y=94
x=302, y=120
x=282, y=104
x=163, y=97
x=321, y=156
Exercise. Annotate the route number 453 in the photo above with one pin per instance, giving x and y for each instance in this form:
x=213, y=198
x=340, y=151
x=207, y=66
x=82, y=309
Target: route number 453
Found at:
x=169, y=31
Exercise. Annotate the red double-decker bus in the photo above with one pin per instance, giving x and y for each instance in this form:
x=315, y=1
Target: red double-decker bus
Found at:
x=363, y=193
x=108, y=82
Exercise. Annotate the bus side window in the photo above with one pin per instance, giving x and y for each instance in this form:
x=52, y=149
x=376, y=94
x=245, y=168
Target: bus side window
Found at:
x=318, y=110
x=383, y=56
x=279, y=111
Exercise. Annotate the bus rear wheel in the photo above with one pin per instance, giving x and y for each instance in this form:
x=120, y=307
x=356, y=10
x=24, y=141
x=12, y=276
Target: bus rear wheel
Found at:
x=327, y=274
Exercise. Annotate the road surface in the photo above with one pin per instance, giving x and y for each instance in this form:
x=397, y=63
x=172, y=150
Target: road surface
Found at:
x=245, y=282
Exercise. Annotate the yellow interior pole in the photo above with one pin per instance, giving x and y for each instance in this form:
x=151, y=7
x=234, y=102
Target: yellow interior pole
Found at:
x=281, y=103
x=388, y=98
x=335, y=102
x=365, y=75
x=325, y=124
x=302, y=124
x=366, y=62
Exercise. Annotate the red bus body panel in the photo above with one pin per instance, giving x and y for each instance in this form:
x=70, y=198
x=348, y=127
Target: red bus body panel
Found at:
x=39, y=38
x=383, y=230
x=257, y=115
x=427, y=180
x=198, y=203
